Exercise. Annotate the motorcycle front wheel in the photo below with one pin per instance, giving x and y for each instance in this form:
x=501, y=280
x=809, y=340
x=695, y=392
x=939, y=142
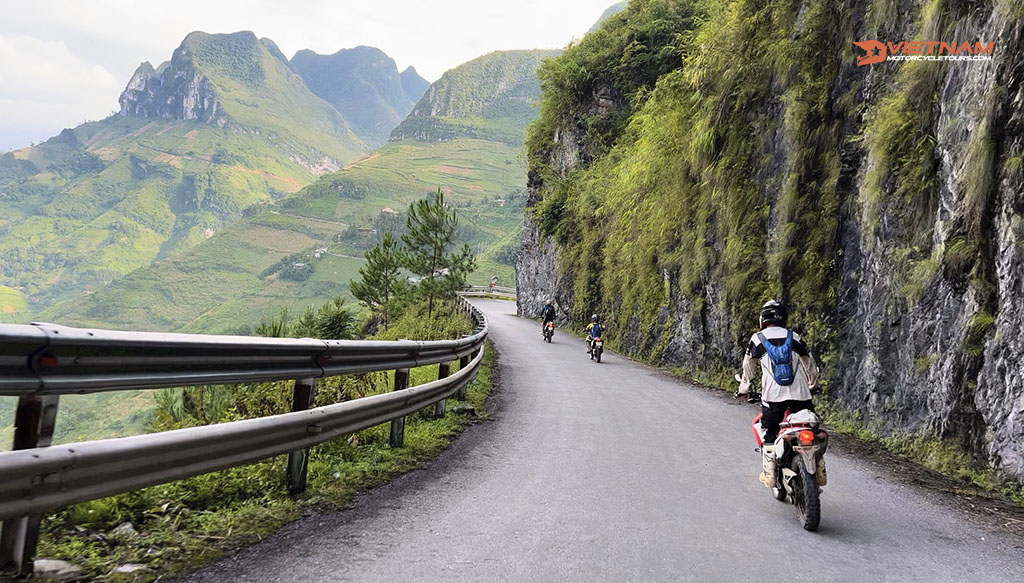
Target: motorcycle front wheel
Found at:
x=806, y=495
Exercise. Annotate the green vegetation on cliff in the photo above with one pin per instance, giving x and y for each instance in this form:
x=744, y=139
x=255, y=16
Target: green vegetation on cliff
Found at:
x=694, y=158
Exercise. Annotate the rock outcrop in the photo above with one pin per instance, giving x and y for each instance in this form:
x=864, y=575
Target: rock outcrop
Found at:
x=177, y=90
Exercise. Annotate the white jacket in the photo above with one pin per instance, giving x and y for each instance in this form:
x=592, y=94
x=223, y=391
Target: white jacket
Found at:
x=772, y=392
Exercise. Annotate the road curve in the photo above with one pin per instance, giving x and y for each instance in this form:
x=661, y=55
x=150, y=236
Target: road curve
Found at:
x=615, y=472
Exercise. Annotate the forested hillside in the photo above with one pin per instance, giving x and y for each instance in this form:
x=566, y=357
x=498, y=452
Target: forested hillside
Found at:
x=694, y=159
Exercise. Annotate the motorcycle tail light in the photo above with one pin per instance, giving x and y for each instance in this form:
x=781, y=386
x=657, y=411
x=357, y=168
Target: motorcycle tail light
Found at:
x=806, y=437
x=597, y=339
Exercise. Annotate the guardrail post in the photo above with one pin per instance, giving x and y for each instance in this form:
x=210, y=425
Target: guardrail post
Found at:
x=298, y=461
x=34, y=420
x=461, y=393
x=398, y=424
x=443, y=370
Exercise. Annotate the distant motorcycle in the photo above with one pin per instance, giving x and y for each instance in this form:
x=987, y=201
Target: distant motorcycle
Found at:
x=596, y=348
x=549, y=331
x=800, y=463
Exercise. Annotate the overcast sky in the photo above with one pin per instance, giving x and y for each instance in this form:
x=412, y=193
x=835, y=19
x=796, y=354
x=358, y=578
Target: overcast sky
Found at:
x=63, y=62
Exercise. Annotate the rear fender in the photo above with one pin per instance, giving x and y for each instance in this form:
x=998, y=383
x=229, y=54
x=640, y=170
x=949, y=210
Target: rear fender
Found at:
x=810, y=453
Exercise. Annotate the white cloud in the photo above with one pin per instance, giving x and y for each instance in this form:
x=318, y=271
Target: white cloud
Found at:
x=44, y=87
x=90, y=43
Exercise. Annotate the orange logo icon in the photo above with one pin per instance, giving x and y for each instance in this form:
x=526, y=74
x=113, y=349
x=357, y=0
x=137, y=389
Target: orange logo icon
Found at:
x=875, y=52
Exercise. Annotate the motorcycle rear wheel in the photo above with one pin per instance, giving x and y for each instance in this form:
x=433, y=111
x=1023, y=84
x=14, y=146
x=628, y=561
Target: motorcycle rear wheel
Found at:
x=599, y=355
x=806, y=495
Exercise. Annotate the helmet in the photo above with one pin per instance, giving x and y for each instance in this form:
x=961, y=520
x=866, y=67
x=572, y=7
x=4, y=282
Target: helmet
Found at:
x=593, y=318
x=773, y=312
x=548, y=302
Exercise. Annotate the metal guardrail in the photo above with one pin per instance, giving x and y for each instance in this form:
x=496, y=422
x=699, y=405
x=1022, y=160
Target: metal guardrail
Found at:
x=485, y=290
x=40, y=362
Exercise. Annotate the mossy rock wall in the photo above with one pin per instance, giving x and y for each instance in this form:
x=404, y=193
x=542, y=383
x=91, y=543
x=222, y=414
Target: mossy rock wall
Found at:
x=694, y=159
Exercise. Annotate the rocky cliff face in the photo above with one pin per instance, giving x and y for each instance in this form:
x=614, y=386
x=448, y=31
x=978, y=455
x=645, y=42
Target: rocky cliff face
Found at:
x=914, y=169
x=938, y=351
x=177, y=90
x=537, y=276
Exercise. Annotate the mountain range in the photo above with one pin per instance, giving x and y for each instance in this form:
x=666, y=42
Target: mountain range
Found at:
x=229, y=165
x=364, y=85
x=230, y=281
x=226, y=125
x=459, y=105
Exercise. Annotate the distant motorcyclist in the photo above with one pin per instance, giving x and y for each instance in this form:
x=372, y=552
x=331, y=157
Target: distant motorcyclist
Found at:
x=547, y=314
x=786, y=381
x=593, y=331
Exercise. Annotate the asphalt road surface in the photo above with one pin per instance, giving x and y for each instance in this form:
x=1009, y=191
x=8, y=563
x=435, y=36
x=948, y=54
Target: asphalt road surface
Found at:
x=615, y=472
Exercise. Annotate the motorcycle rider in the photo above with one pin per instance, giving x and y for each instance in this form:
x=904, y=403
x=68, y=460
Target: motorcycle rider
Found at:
x=547, y=315
x=777, y=398
x=593, y=331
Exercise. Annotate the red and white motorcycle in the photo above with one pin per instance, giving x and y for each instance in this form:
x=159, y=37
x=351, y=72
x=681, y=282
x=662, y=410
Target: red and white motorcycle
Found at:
x=799, y=463
x=595, y=347
x=549, y=331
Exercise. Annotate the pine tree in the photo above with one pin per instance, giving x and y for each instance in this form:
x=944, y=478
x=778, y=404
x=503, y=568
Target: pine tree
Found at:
x=332, y=321
x=430, y=251
x=382, y=284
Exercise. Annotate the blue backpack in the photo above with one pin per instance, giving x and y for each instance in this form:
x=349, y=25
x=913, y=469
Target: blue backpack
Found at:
x=781, y=357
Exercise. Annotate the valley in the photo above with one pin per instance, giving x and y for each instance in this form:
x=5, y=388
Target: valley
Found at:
x=212, y=214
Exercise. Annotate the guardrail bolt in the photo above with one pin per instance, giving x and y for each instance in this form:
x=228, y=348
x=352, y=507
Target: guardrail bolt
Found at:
x=398, y=423
x=298, y=461
x=461, y=393
x=443, y=370
x=34, y=420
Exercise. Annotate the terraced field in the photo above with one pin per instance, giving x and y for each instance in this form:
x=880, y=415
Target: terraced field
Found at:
x=228, y=284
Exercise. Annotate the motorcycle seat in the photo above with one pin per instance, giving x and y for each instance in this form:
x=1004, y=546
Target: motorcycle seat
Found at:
x=801, y=418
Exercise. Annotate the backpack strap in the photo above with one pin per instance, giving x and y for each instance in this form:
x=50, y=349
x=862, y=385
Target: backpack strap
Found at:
x=763, y=340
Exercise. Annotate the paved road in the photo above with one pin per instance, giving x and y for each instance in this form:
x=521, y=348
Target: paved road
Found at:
x=614, y=472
